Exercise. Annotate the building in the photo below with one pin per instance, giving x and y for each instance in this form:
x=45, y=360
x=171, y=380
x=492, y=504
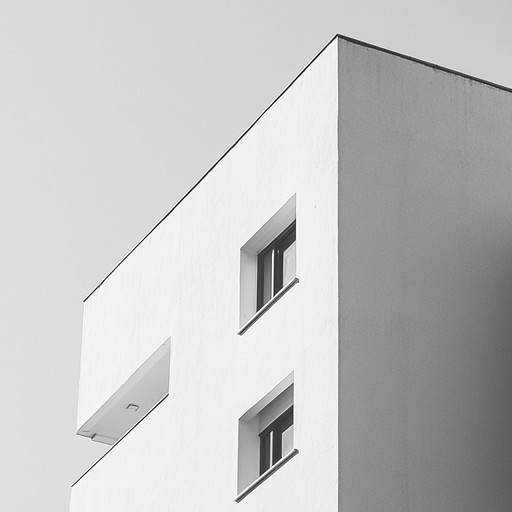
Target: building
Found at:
x=324, y=322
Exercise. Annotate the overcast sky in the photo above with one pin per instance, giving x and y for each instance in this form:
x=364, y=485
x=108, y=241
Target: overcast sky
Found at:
x=109, y=112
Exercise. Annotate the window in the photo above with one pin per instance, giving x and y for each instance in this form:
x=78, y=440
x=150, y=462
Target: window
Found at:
x=266, y=437
x=276, y=265
x=268, y=265
x=276, y=440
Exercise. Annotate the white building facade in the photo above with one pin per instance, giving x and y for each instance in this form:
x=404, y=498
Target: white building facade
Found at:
x=324, y=322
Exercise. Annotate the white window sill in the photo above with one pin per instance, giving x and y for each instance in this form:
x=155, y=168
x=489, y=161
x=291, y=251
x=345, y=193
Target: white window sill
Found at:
x=265, y=475
x=269, y=304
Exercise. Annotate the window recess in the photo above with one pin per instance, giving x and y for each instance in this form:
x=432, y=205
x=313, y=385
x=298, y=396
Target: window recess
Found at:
x=266, y=437
x=268, y=264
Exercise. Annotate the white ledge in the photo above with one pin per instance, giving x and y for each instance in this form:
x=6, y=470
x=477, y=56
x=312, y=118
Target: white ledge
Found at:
x=265, y=308
x=265, y=475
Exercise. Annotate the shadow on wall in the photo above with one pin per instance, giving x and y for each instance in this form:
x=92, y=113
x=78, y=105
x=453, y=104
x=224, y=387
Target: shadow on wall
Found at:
x=460, y=397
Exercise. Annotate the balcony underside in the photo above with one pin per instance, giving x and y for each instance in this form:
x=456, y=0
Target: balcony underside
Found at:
x=132, y=401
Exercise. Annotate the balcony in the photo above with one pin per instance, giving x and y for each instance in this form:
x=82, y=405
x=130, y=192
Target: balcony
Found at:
x=146, y=387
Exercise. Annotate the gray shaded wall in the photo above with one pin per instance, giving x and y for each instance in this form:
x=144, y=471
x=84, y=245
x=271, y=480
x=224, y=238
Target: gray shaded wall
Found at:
x=425, y=241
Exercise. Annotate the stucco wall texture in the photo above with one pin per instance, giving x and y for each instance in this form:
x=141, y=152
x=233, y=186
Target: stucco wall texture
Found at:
x=399, y=332
x=183, y=282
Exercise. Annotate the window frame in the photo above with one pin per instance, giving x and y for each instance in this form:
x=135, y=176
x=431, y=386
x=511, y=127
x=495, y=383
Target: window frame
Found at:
x=269, y=410
x=277, y=247
x=271, y=440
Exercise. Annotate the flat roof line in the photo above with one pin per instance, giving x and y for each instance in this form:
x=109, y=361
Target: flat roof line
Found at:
x=337, y=36
x=424, y=62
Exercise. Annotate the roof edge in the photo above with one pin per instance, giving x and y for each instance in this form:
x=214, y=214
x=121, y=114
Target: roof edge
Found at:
x=424, y=62
x=214, y=165
x=337, y=36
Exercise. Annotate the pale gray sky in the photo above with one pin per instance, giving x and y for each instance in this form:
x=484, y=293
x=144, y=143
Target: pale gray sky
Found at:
x=109, y=112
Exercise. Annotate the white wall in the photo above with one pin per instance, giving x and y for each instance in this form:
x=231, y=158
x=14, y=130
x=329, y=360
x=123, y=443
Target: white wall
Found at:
x=183, y=282
x=425, y=288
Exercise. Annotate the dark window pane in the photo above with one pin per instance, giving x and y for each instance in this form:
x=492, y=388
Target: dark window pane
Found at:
x=264, y=278
x=265, y=451
x=276, y=440
x=276, y=448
